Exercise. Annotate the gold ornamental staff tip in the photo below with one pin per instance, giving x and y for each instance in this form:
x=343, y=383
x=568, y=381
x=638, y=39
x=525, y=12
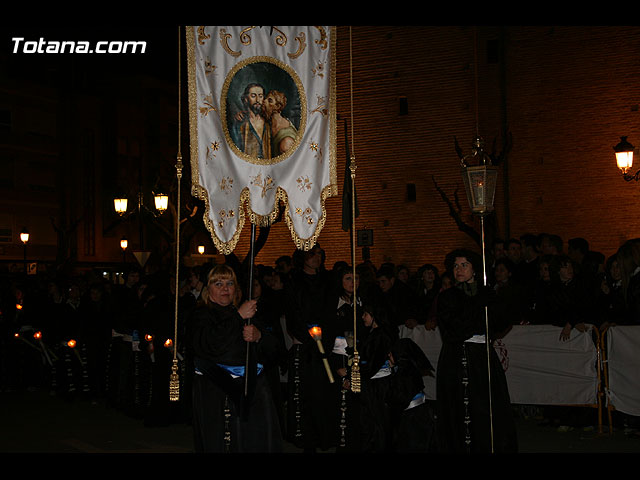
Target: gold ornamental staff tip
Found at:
x=355, y=365
x=174, y=380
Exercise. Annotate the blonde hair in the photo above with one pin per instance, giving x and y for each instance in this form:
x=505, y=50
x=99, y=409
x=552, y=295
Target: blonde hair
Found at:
x=222, y=272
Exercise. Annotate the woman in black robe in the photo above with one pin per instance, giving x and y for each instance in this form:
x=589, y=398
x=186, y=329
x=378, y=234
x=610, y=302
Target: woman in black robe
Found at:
x=465, y=423
x=341, y=329
x=230, y=415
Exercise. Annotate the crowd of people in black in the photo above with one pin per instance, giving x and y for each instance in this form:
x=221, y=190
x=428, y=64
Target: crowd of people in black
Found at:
x=91, y=338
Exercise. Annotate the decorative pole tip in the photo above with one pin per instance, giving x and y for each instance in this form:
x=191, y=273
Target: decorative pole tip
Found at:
x=355, y=373
x=174, y=383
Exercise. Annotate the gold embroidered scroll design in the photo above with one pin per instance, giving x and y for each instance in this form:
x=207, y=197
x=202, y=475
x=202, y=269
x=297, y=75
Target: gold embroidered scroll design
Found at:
x=202, y=35
x=280, y=39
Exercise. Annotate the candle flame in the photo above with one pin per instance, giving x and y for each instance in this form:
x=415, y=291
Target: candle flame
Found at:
x=168, y=343
x=37, y=335
x=315, y=332
x=71, y=343
x=148, y=337
x=18, y=306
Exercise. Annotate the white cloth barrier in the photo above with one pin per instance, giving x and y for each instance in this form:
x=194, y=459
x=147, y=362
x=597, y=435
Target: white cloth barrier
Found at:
x=623, y=345
x=430, y=343
x=540, y=368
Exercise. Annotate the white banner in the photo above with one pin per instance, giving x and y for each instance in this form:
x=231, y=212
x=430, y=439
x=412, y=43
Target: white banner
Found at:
x=623, y=366
x=262, y=127
x=540, y=368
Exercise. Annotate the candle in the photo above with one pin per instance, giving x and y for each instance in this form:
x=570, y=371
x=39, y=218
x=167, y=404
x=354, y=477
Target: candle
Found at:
x=316, y=333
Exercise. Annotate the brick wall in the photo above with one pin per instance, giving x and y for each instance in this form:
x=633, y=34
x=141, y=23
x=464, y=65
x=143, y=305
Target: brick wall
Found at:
x=566, y=94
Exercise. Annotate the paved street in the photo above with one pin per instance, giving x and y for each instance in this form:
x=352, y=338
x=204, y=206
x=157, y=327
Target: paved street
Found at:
x=35, y=422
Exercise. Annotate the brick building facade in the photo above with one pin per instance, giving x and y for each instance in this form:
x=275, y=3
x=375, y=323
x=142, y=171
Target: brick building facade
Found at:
x=564, y=94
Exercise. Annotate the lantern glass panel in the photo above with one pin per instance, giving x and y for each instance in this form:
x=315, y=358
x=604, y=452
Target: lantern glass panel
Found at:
x=625, y=160
x=480, y=184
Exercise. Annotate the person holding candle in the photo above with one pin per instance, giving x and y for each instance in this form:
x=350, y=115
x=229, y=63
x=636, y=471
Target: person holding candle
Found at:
x=233, y=409
x=311, y=402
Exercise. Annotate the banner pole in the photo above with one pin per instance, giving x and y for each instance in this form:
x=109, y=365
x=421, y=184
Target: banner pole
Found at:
x=174, y=380
x=355, y=366
x=249, y=296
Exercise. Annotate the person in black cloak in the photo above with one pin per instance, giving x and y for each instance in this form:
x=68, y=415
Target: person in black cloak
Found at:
x=380, y=334
x=411, y=416
x=341, y=357
x=311, y=407
x=225, y=417
x=270, y=308
x=465, y=423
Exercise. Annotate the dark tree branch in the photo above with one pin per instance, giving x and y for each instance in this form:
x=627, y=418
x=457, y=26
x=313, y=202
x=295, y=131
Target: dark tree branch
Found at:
x=455, y=212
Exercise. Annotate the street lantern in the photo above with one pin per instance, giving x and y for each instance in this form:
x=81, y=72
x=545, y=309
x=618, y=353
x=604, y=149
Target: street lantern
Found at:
x=624, y=159
x=479, y=180
x=162, y=202
x=124, y=243
x=24, y=237
x=120, y=205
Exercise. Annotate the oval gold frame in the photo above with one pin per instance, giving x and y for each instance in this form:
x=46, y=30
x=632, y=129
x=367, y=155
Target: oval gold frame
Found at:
x=303, y=110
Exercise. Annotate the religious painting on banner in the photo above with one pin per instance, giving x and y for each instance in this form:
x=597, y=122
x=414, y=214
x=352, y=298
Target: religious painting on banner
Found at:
x=262, y=127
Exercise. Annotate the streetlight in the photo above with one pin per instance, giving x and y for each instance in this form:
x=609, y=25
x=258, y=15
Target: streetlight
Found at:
x=120, y=203
x=624, y=159
x=162, y=202
x=24, y=237
x=124, y=243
